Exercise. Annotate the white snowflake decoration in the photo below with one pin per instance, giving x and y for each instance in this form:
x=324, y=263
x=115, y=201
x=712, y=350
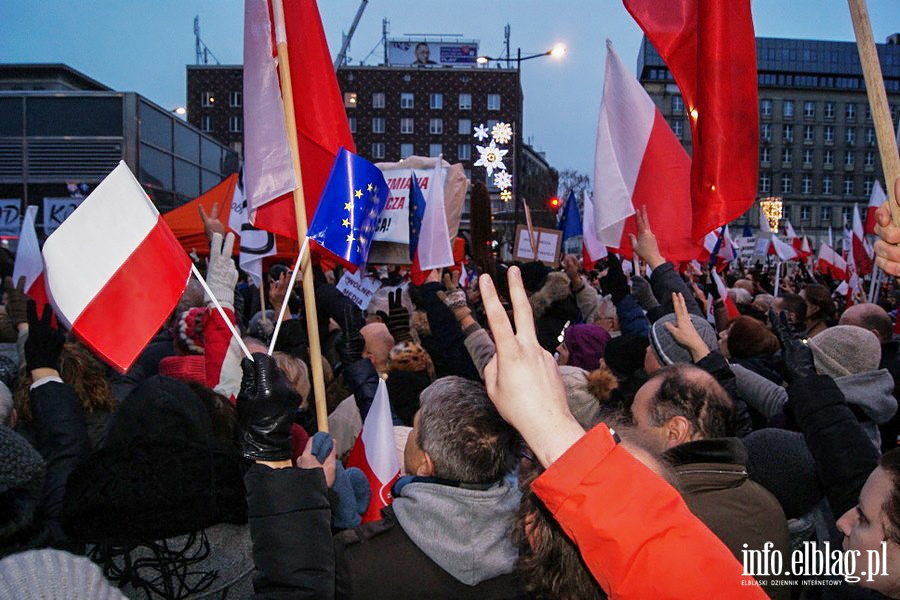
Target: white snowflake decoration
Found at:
x=503, y=180
x=490, y=157
x=481, y=133
x=502, y=133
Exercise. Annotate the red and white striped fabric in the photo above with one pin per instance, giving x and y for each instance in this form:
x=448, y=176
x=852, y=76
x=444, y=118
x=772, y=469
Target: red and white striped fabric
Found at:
x=730, y=306
x=114, y=269
x=639, y=162
x=831, y=262
x=863, y=253
x=876, y=199
x=591, y=248
x=782, y=250
x=375, y=452
x=726, y=252
x=29, y=262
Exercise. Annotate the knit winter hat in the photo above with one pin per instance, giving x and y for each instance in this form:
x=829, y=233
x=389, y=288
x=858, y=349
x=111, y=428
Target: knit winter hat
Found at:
x=53, y=575
x=404, y=389
x=780, y=461
x=624, y=355
x=190, y=368
x=585, y=343
x=586, y=391
x=670, y=352
x=21, y=482
x=845, y=350
x=190, y=329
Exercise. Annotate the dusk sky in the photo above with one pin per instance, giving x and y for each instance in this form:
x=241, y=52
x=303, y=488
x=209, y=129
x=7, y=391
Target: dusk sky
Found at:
x=143, y=46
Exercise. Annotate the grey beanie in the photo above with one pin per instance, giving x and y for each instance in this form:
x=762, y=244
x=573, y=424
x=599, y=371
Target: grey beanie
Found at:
x=585, y=407
x=53, y=575
x=670, y=352
x=20, y=463
x=780, y=461
x=845, y=350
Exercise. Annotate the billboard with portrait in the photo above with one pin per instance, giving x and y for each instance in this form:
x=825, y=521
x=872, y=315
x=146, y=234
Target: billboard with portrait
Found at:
x=418, y=53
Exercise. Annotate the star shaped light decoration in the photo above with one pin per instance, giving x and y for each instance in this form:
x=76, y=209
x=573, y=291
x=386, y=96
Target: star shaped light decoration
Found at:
x=502, y=133
x=490, y=157
x=506, y=195
x=503, y=180
x=481, y=133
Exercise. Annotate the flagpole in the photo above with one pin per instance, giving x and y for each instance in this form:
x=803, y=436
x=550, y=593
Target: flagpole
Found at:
x=304, y=250
x=881, y=114
x=262, y=302
x=777, y=277
x=309, y=298
x=221, y=310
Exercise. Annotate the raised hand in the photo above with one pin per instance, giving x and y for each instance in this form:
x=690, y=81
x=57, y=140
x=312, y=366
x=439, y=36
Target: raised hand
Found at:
x=45, y=343
x=397, y=317
x=265, y=409
x=887, y=249
x=211, y=222
x=16, y=301
x=798, y=357
x=683, y=329
x=645, y=244
x=221, y=273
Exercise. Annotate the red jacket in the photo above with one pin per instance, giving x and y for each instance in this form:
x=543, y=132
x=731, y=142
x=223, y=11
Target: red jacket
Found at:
x=634, y=531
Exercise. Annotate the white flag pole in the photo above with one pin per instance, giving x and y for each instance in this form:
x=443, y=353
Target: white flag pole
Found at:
x=221, y=310
x=777, y=277
x=304, y=249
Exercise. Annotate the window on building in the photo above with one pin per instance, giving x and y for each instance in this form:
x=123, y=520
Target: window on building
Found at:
x=765, y=154
x=435, y=149
x=786, y=186
x=825, y=214
x=870, y=158
x=868, y=113
x=209, y=99
x=206, y=124
x=828, y=134
x=351, y=122
x=807, y=157
x=678, y=128
x=787, y=133
x=850, y=135
x=677, y=105
x=827, y=185
x=235, y=99
x=378, y=150
x=378, y=124
x=406, y=100
x=465, y=102
x=465, y=127
x=406, y=150
x=786, y=155
x=850, y=112
x=848, y=186
x=765, y=107
x=870, y=136
x=765, y=132
x=806, y=184
x=765, y=183
x=464, y=152
x=846, y=215
x=493, y=101
x=849, y=159
x=436, y=101
x=809, y=109
x=350, y=99
x=829, y=110
x=828, y=158
x=378, y=100
x=406, y=125
x=868, y=184
x=787, y=108
x=435, y=126
x=808, y=133
x=805, y=211
x=491, y=123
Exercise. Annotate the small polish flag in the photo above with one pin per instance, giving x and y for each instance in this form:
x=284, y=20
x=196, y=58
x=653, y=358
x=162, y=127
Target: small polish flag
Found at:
x=375, y=452
x=877, y=198
x=29, y=263
x=730, y=306
x=782, y=250
x=862, y=250
x=591, y=248
x=114, y=269
x=831, y=261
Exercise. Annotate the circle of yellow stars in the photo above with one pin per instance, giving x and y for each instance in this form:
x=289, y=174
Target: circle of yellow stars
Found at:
x=368, y=225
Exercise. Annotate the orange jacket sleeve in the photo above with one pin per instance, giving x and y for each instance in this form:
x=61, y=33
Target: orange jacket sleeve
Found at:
x=636, y=534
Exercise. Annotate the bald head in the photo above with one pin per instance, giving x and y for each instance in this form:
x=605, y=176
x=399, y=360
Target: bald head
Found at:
x=872, y=317
x=379, y=342
x=744, y=284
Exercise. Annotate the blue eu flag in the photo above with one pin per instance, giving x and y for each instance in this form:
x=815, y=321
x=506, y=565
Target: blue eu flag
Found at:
x=347, y=216
x=416, y=214
x=570, y=220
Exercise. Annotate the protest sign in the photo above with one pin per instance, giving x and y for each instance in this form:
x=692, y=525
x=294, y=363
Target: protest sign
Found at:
x=10, y=216
x=358, y=288
x=57, y=210
x=548, y=245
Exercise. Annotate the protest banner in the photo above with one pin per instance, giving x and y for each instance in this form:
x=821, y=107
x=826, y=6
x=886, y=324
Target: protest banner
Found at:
x=358, y=288
x=10, y=216
x=549, y=242
x=57, y=210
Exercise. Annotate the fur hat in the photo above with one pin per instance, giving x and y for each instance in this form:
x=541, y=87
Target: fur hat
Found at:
x=670, y=352
x=556, y=287
x=53, y=575
x=190, y=329
x=410, y=357
x=585, y=343
x=585, y=392
x=845, y=350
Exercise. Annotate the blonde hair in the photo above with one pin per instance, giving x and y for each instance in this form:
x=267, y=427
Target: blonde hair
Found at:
x=296, y=373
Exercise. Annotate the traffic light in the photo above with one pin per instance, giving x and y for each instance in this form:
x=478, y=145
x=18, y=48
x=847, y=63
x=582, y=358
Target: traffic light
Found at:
x=554, y=203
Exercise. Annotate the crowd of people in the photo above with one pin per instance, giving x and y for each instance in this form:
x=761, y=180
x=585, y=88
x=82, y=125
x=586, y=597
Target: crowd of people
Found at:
x=571, y=432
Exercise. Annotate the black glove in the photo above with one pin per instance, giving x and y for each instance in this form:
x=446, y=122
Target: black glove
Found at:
x=614, y=283
x=349, y=342
x=798, y=357
x=16, y=301
x=265, y=409
x=397, y=318
x=44, y=343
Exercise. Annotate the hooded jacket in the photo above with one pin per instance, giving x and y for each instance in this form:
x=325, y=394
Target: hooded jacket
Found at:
x=437, y=540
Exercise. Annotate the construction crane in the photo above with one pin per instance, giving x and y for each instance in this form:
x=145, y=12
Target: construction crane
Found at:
x=342, y=55
x=201, y=50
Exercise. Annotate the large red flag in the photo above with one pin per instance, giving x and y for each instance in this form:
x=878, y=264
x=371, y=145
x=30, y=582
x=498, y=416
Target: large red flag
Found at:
x=322, y=126
x=710, y=49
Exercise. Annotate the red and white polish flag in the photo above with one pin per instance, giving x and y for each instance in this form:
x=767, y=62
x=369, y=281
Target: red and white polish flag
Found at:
x=591, y=248
x=375, y=453
x=639, y=162
x=29, y=262
x=782, y=250
x=863, y=253
x=831, y=261
x=114, y=269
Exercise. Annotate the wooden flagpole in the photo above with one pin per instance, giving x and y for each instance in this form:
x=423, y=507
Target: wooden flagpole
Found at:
x=531, y=237
x=881, y=114
x=262, y=303
x=309, y=298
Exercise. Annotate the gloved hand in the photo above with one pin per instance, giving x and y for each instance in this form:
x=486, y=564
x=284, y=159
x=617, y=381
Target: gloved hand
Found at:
x=397, y=317
x=265, y=409
x=614, y=283
x=798, y=357
x=44, y=343
x=643, y=293
x=711, y=287
x=16, y=301
x=350, y=485
x=349, y=342
x=221, y=274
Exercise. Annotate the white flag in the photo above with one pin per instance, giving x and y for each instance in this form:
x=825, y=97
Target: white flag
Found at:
x=434, y=247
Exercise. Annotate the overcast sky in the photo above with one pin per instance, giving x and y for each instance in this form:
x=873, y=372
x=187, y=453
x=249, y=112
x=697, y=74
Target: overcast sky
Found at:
x=143, y=46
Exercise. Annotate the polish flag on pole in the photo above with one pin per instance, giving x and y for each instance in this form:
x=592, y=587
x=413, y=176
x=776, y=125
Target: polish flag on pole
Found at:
x=29, y=262
x=730, y=306
x=114, y=269
x=862, y=250
x=831, y=261
x=375, y=453
x=639, y=162
x=877, y=198
x=591, y=248
x=789, y=230
x=434, y=248
x=782, y=250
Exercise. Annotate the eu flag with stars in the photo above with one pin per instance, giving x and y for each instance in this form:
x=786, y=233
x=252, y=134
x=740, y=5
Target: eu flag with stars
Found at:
x=347, y=215
x=416, y=214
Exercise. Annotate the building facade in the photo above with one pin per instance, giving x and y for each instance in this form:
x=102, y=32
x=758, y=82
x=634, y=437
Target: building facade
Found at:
x=817, y=148
x=215, y=102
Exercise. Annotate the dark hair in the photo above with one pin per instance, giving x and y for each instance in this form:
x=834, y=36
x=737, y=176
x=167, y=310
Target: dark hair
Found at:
x=748, y=337
x=700, y=400
x=818, y=295
x=794, y=304
x=467, y=439
x=890, y=462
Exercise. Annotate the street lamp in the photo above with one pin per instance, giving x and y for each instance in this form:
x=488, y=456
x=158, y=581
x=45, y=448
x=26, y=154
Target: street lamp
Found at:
x=773, y=210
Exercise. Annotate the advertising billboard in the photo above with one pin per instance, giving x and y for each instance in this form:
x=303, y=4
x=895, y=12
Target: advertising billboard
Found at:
x=417, y=53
